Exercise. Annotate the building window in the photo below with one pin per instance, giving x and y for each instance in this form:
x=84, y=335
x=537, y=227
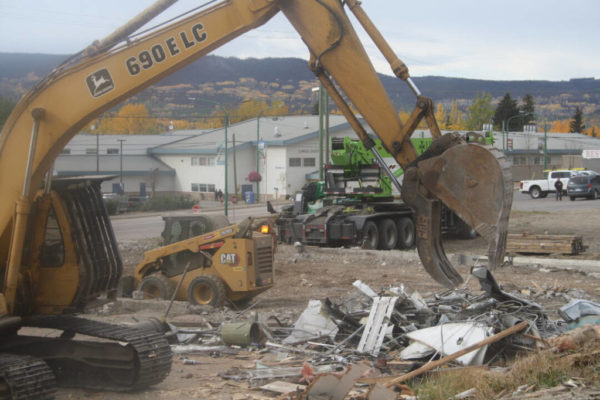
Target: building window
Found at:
x=295, y=162
x=536, y=160
x=203, y=161
x=112, y=151
x=65, y=151
x=194, y=162
x=309, y=162
x=203, y=187
x=515, y=160
x=91, y=150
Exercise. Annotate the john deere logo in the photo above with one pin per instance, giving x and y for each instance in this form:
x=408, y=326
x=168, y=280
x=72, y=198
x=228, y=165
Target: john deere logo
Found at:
x=100, y=82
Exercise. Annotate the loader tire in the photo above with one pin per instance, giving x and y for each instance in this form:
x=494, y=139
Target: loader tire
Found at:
x=388, y=234
x=207, y=290
x=157, y=286
x=406, y=233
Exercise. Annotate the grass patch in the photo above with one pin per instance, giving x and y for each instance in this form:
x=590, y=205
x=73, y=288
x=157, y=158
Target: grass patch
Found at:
x=543, y=369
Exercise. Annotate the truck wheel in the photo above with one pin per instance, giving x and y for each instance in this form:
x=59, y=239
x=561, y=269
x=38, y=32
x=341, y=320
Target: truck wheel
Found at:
x=388, y=234
x=464, y=230
x=207, y=290
x=535, y=192
x=406, y=233
x=572, y=198
x=543, y=195
x=157, y=286
x=370, y=236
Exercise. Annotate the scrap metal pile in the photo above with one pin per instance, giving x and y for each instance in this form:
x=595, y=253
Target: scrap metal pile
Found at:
x=369, y=343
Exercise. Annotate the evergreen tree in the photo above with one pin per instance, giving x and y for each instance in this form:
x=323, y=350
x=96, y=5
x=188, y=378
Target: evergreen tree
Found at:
x=6, y=107
x=506, y=109
x=528, y=108
x=480, y=111
x=576, y=125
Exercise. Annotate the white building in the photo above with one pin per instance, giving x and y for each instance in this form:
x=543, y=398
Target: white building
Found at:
x=290, y=153
x=287, y=152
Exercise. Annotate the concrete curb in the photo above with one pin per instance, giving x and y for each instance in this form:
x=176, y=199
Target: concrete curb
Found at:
x=142, y=214
x=587, y=266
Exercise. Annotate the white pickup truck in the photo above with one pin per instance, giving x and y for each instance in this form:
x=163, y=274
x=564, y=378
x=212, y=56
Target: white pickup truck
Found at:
x=539, y=188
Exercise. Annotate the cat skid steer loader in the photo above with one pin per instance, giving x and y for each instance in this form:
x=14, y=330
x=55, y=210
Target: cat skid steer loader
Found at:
x=231, y=262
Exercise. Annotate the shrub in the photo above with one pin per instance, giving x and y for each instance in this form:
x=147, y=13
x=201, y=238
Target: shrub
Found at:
x=167, y=203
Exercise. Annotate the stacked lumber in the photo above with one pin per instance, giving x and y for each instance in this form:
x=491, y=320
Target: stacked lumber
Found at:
x=544, y=244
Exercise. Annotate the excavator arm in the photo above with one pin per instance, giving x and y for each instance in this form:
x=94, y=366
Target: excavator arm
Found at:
x=118, y=67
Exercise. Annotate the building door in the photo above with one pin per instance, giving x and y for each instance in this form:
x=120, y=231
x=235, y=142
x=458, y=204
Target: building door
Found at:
x=142, y=188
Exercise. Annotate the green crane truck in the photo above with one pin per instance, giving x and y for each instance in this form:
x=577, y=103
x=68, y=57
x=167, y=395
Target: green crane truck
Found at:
x=355, y=204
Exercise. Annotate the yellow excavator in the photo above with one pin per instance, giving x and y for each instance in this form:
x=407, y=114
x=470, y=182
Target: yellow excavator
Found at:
x=58, y=253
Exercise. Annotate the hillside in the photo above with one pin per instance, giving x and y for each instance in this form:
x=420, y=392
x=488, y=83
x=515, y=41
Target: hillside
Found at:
x=231, y=80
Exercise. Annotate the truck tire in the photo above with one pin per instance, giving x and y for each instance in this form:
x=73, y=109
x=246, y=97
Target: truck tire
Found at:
x=543, y=195
x=406, y=233
x=388, y=234
x=572, y=198
x=207, y=290
x=535, y=192
x=464, y=230
x=157, y=286
x=370, y=236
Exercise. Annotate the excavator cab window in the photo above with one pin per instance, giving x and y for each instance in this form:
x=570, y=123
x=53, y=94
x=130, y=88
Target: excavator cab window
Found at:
x=53, y=248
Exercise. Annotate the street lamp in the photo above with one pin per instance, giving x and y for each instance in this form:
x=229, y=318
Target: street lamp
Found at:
x=121, y=165
x=506, y=129
x=225, y=209
x=257, y=149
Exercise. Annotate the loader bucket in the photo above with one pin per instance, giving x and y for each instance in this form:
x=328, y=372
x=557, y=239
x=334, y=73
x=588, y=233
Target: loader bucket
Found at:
x=473, y=181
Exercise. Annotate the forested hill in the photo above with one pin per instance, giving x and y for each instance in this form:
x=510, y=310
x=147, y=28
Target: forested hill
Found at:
x=231, y=80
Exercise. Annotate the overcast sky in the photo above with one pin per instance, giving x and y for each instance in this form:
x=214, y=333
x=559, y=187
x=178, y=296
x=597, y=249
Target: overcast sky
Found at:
x=499, y=40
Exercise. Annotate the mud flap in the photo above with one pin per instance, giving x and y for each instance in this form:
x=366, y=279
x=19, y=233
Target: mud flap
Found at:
x=474, y=182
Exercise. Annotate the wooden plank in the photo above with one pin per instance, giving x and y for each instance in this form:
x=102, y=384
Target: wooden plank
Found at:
x=526, y=243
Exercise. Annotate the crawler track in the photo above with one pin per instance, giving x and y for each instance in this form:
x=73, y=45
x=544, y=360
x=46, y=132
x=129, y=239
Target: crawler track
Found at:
x=24, y=377
x=133, y=359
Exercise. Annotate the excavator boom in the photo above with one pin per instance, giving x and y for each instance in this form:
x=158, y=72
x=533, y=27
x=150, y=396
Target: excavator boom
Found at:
x=470, y=179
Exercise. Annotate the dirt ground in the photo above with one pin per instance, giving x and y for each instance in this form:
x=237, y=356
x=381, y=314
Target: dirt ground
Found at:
x=319, y=273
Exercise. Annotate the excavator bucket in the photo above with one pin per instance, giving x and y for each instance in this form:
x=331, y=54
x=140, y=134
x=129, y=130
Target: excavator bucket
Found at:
x=472, y=180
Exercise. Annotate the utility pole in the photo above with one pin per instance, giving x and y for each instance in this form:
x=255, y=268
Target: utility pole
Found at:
x=321, y=133
x=97, y=152
x=234, y=171
x=121, y=165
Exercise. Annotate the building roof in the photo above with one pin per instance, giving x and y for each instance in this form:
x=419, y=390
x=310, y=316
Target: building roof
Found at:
x=133, y=144
x=274, y=131
x=110, y=164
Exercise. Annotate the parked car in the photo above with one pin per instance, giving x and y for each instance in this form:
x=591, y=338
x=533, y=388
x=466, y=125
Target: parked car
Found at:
x=584, y=186
x=131, y=203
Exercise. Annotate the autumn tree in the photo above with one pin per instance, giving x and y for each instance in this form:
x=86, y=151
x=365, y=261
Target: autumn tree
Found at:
x=560, y=126
x=480, y=111
x=130, y=120
x=506, y=109
x=454, y=119
x=576, y=124
x=441, y=115
x=527, y=108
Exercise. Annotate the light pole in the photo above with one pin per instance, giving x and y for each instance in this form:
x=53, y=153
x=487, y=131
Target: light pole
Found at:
x=121, y=165
x=225, y=206
x=257, y=149
x=506, y=125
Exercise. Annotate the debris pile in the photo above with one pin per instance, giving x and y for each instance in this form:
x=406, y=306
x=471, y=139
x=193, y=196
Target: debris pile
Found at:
x=368, y=344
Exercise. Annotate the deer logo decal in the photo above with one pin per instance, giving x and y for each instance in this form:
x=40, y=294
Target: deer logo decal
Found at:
x=100, y=82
